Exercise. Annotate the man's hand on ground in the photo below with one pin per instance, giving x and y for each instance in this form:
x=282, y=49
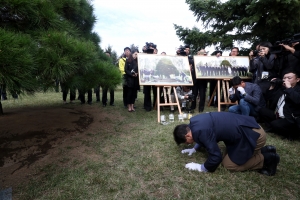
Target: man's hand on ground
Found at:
x=189, y=151
x=196, y=166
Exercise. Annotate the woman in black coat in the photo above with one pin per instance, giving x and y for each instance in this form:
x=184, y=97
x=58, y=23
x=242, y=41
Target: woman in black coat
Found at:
x=131, y=70
x=264, y=67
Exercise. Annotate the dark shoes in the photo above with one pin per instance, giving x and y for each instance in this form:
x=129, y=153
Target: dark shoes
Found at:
x=268, y=149
x=271, y=161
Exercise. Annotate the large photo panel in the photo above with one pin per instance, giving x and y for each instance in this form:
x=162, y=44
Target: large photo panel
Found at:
x=164, y=70
x=221, y=67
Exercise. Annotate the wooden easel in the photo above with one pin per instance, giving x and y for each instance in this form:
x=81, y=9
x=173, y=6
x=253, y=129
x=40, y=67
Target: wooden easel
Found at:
x=170, y=103
x=225, y=89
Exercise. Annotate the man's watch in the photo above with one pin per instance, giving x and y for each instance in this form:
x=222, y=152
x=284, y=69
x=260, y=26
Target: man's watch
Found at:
x=244, y=94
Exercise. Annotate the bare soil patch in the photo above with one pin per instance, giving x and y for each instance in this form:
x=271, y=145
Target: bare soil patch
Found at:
x=31, y=138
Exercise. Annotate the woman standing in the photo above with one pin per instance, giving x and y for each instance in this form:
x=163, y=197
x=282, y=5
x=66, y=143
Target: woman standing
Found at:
x=131, y=70
x=265, y=67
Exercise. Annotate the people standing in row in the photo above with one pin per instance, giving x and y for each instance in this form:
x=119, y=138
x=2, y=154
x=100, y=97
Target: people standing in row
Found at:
x=65, y=89
x=111, y=92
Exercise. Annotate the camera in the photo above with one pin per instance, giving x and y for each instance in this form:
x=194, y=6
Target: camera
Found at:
x=277, y=49
x=255, y=53
x=181, y=50
x=149, y=47
x=190, y=97
x=276, y=82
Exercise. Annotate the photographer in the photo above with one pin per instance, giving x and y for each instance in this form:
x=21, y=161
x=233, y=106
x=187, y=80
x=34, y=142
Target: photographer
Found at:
x=184, y=94
x=289, y=59
x=265, y=67
x=248, y=95
x=199, y=87
x=286, y=120
x=149, y=48
x=131, y=70
x=253, y=63
x=183, y=50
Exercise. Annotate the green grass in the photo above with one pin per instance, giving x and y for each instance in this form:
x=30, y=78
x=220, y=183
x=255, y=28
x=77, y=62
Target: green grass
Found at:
x=138, y=159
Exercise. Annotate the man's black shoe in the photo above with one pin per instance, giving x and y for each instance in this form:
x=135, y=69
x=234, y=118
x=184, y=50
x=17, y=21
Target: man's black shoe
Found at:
x=90, y=103
x=265, y=172
x=268, y=149
x=112, y=104
x=271, y=161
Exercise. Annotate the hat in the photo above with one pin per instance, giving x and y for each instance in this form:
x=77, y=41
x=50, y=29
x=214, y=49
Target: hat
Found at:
x=127, y=48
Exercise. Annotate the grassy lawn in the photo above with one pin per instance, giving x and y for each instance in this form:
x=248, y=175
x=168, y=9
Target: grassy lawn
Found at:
x=137, y=158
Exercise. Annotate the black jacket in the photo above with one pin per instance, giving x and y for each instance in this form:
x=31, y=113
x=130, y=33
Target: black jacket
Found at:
x=292, y=103
x=260, y=64
x=234, y=130
x=132, y=81
x=287, y=62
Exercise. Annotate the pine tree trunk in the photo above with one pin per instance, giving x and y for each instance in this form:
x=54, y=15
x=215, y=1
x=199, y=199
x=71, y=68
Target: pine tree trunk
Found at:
x=1, y=110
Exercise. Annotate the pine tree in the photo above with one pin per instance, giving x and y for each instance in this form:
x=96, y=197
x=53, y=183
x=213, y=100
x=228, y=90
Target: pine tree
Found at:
x=241, y=20
x=45, y=41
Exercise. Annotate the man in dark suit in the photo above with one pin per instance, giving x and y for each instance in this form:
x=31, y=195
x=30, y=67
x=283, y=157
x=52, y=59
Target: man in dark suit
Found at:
x=243, y=137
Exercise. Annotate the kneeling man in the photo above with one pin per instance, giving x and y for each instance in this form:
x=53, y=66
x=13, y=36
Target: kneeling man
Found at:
x=243, y=137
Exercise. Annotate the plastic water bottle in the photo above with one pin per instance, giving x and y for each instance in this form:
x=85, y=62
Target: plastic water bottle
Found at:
x=190, y=115
x=171, y=117
x=162, y=118
x=180, y=117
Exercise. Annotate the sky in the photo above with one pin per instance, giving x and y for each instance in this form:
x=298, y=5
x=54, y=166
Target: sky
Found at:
x=122, y=23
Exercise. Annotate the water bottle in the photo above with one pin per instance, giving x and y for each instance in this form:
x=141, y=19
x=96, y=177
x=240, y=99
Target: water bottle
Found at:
x=180, y=117
x=190, y=115
x=171, y=117
x=162, y=118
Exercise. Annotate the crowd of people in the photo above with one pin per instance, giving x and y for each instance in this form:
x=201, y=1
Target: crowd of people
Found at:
x=271, y=98
x=272, y=74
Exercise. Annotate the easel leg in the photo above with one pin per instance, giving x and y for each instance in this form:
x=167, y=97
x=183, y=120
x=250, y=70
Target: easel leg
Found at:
x=212, y=96
x=158, y=105
x=219, y=106
x=177, y=101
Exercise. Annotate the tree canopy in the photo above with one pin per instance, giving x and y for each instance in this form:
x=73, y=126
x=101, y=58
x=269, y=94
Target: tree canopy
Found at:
x=45, y=41
x=240, y=20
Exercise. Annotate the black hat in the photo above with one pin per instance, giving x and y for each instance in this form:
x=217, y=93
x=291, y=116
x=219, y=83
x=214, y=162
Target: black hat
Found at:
x=127, y=48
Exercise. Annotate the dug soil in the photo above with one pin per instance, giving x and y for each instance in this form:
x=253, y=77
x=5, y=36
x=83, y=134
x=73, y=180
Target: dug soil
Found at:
x=31, y=138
